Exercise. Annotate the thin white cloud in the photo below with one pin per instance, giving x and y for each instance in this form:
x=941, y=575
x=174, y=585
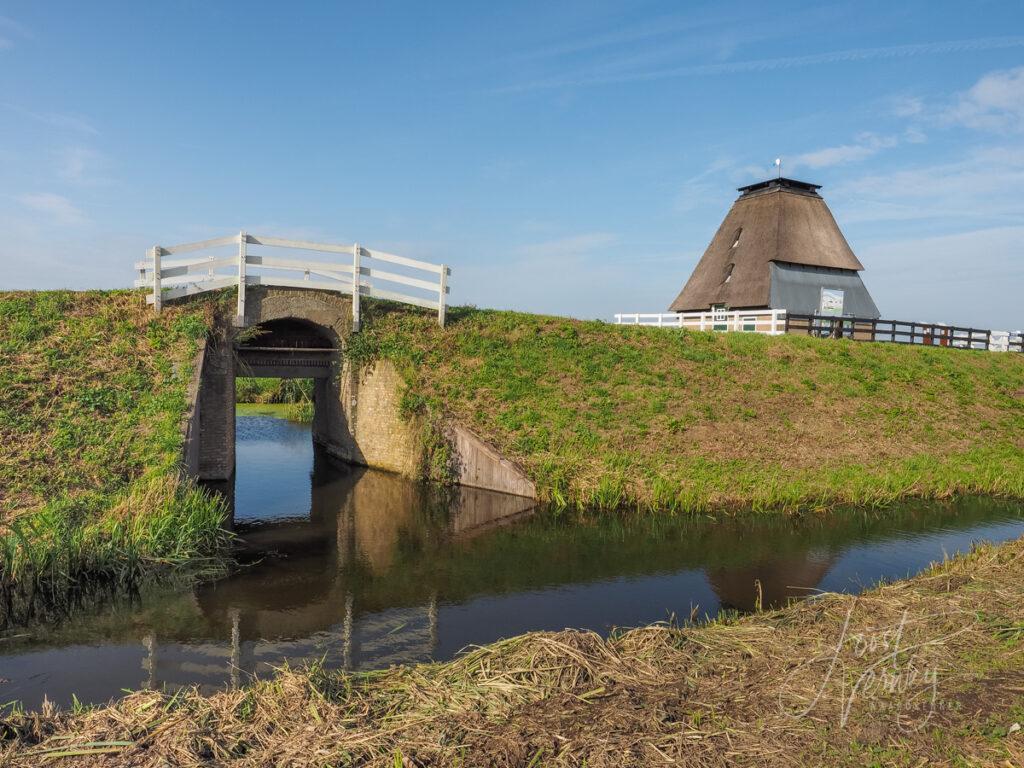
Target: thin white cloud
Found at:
x=907, y=106
x=866, y=145
x=979, y=186
x=54, y=119
x=995, y=102
x=971, y=277
x=56, y=208
x=82, y=166
x=573, y=246
x=660, y=27
x=11, y=30
x=786, y=62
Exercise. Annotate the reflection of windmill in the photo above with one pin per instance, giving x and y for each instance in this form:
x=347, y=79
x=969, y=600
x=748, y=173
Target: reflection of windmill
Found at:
x=780, y=580
x=302, y=603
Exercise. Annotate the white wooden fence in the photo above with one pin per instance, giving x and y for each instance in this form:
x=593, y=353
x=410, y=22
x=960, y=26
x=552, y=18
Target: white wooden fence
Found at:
x=357, y=275
x=769, y=321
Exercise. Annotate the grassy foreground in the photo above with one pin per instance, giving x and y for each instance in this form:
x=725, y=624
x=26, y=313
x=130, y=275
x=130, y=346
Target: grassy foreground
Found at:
x=92, y=392
x=925, y=671
x=612, y=416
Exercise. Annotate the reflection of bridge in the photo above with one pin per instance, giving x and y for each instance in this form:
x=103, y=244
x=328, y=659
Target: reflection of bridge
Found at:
x=400, y=636
x=301, y=603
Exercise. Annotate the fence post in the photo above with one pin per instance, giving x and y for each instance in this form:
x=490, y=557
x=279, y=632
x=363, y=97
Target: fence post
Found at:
x=356, y=252
x=441, y=307
x=242, y=238
x=157, y=289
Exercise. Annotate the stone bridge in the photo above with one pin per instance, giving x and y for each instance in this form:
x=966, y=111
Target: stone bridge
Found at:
x=299, y=333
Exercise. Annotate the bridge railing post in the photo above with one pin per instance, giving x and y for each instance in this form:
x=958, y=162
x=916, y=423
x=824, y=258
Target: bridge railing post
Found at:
x=355, y=286
x=242, y=238
x=157, y=289
x=441, y=295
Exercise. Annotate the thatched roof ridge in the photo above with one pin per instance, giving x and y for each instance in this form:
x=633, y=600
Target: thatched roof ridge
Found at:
x=779, y=220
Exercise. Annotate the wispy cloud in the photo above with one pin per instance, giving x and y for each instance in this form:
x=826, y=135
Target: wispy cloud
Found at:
x=978, y=187
x=56, y=208
x=661, y=27
x=785, y=62
x=54, y=119
x=81, y=166
x=970, y=277
x=11, y=30
x=866, y=145
x=995, y=102
x=696, y=191
x=573, y=246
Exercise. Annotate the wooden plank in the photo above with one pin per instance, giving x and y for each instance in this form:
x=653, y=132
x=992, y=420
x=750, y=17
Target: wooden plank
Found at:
x=200, y=245
x=405, y=262
x=168, y=263
x=196, y=267
x=305, y=245
x=193, y=288
x=157, y=288
x=241, y=278
x=442, y=290
x=378, y=293
x=429, y=285
x=356, y=280
x=298, y=265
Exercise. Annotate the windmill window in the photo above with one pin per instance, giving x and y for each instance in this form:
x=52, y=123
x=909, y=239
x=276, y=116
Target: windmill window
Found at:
x=736, y=239
x=728, y=272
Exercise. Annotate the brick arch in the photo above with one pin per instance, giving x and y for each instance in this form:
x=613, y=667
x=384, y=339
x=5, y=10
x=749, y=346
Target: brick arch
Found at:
x=331, y=311
x=358, y=415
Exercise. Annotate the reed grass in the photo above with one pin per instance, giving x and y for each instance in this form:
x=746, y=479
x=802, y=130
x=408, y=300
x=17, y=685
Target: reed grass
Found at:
x=250, y=389
x=92, y=392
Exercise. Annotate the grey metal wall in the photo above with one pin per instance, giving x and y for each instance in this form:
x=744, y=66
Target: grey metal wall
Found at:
x=797, y=288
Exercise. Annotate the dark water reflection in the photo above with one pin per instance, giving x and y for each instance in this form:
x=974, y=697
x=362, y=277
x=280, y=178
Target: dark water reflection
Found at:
x=362, y=569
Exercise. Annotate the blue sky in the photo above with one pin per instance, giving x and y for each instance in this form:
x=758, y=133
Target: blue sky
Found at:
x=572, y=158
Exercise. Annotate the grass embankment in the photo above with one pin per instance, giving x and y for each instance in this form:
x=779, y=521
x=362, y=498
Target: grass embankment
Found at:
x=92, y=391
x=614, y=416
x=916, y=672
x=297, y=394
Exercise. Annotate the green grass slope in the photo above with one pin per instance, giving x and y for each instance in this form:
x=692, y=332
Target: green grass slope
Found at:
x=92, y=390
x=664, y=419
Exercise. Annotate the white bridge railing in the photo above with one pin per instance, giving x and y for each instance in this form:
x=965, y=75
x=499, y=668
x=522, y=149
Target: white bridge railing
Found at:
x=357, y=275
x=770, y=321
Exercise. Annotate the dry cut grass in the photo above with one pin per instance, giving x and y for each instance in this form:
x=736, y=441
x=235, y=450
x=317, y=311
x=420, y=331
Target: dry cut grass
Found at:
x=926, y=671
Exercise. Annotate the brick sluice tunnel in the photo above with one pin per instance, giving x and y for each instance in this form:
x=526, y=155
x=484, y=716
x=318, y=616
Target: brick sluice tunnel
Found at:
x=295, y=333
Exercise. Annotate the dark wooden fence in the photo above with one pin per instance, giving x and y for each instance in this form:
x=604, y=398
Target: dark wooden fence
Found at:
x=896, y=331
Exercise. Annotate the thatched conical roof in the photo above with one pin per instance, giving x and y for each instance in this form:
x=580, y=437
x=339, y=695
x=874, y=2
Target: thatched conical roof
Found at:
x=780, y=220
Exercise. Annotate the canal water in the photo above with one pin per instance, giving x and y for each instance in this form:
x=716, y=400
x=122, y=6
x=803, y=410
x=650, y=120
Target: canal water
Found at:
x=360, y=569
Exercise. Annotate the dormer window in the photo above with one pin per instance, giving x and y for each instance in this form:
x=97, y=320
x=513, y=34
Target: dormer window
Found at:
x=736, y=239
x=728, y=272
